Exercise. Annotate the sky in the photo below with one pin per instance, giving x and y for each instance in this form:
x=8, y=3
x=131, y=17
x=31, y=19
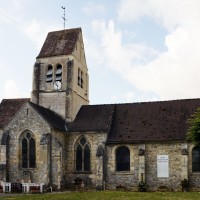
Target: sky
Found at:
x=136, y=50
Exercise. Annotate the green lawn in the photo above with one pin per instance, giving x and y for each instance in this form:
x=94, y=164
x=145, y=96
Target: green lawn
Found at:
x=106, y=195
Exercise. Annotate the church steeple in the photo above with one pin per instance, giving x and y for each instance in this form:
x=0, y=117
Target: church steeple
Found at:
x=60, y=78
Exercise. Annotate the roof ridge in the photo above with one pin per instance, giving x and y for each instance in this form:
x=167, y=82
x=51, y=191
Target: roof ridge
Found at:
x=66, y=30
x=16, y=99
x=57, y=121
x=143, y=102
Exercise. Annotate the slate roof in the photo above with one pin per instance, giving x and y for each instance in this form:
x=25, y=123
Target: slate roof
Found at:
x=124, y=123
x=8, y=108
x=93, y=118
x=59, y=43
x=51, y=117
x=138, y=122
x=152, y=121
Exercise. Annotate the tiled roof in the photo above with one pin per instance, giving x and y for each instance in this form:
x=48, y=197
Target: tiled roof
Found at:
x=93, y=118
x=152, y=121
x=8, y=109
x=59, y=43
x=137, y=122
x=51, y=117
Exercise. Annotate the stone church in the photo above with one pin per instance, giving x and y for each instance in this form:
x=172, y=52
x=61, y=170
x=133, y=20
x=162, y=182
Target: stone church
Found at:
x=56, y=137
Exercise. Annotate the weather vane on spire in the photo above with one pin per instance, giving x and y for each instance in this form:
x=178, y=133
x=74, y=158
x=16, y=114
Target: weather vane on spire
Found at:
x=64, y=19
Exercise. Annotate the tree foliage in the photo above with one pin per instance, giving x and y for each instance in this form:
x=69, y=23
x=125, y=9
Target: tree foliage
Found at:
x=193, y=133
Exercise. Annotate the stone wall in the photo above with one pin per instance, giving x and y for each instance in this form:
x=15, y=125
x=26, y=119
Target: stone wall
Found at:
x=127, y=178
x=194, y=177
x=67, y=101
x=146, y=167
x=91, y=179
x=173, y=150
x=58, y=159
x=49, y=161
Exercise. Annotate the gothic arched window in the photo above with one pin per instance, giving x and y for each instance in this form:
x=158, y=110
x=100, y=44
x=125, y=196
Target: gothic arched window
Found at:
x=28, y=151
x=58, y=73
x=122, y=159
x=196, y=159
x=49, y=75
x=82, y=155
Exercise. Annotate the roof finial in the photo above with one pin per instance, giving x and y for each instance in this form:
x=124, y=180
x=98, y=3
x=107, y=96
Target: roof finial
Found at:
x=64, y=19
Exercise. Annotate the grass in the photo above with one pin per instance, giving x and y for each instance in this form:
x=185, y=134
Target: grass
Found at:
x=107, y=195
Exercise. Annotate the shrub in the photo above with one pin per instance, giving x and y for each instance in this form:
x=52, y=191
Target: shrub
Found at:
x=185, y=185
x=142, y=186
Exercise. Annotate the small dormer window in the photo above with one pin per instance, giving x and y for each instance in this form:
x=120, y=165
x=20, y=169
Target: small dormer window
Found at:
x=58, y=73
x=49, y=75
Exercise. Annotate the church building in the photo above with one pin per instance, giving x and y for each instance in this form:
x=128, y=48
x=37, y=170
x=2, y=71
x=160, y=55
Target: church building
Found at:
x=56, y=137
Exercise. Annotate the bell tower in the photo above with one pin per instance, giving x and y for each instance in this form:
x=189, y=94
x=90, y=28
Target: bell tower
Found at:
x=60, y=74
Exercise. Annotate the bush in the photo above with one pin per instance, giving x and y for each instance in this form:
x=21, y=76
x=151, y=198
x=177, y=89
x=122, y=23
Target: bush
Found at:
x=142, y=186
x=185, y=185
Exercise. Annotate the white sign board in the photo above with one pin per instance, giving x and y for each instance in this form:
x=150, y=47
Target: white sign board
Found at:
x=162, y=166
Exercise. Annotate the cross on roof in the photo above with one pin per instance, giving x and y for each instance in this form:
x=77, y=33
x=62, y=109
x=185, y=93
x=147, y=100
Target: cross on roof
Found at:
x=64, y=19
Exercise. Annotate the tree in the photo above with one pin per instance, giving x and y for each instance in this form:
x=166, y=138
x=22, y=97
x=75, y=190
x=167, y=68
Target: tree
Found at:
x=193, y=133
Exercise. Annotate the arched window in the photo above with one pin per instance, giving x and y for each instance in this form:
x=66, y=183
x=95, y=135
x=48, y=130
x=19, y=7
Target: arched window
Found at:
x=58, y=73
x=196, y=159
x=122, y=159
x=49, y=75
x=82, y=155
x=28, y=151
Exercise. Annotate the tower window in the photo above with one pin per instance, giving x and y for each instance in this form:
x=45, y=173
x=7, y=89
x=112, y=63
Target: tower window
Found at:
x=58, y=73
x=82, y=155
x=28, y=151
x=80, y=78
x=122, y=159
x=49, y=75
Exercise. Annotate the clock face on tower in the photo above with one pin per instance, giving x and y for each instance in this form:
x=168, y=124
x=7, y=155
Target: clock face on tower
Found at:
x=57, y=85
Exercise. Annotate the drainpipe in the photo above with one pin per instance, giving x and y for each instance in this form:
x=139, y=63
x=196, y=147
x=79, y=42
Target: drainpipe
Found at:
x=49, y=153
x=104, y=168
x=37, y=80
x=50, y=161
x=7, y=157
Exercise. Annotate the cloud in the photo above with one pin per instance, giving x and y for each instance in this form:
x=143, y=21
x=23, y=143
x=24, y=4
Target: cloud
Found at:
x=116, y=55
x=172, y=74
x=92, y=8
x=127, y=97
x=36, y=31
x=169, y=13
x=12, y=11
x=11, y=90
